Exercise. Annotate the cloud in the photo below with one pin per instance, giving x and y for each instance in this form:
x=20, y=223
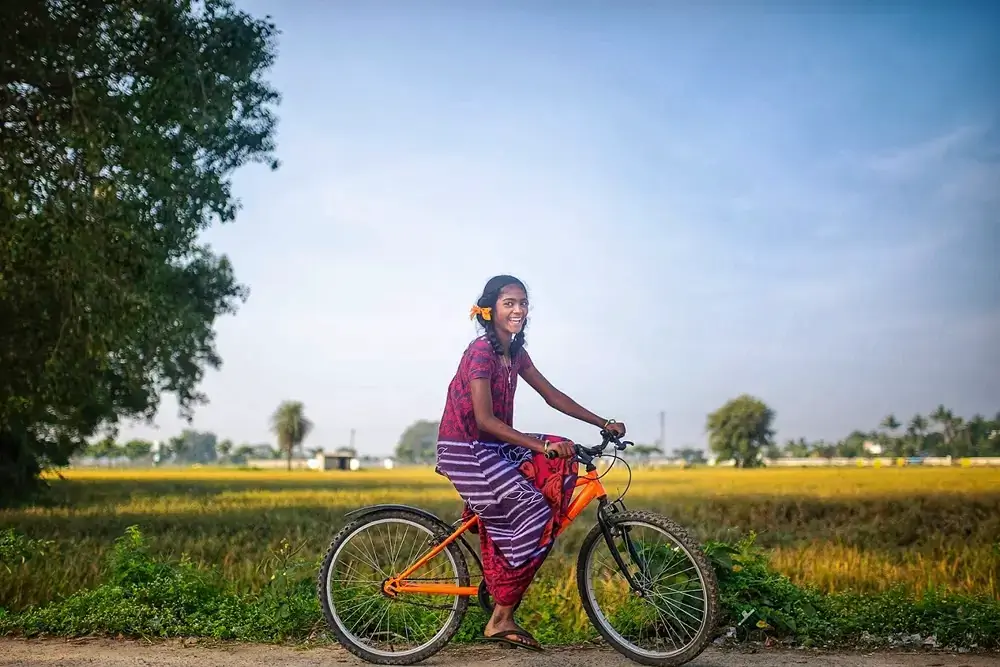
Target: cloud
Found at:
x=928, y=155
x=958, y=167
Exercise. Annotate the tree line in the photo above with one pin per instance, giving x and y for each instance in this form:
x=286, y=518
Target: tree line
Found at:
x=190, y=446
x=742, y=430
x=288, y=423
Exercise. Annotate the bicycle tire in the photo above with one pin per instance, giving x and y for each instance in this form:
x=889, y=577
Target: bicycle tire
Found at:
x=596, y=537
x=441, y=639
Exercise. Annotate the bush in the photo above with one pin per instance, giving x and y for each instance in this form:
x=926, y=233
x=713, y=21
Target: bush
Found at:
x=146, y=597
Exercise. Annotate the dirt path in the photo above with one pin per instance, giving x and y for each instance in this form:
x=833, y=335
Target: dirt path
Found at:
x=177, y=653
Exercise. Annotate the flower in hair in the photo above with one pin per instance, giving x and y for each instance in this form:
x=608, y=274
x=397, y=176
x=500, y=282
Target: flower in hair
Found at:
x=485, y=312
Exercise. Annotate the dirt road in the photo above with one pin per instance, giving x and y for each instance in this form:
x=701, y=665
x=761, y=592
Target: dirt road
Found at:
x=176, y=653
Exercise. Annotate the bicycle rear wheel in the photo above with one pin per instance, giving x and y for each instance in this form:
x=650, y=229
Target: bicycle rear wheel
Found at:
x=385, y=630
x=672, y=621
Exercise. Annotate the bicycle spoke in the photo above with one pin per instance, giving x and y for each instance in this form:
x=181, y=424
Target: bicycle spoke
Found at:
x=669, y=614
x=387, y=625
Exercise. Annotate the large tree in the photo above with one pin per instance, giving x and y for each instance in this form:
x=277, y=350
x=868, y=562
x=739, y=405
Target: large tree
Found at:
x=193, y=446
x=120, y=126
x=290, y=424
x=418, y=443
x=740, y=430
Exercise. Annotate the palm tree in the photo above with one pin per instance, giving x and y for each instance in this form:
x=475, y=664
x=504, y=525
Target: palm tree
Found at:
x=917, y=432
x=890, y=424
x=947, y=421
x=289, y=423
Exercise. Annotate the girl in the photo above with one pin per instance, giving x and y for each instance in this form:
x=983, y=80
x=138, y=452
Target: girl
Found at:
x=504, y=476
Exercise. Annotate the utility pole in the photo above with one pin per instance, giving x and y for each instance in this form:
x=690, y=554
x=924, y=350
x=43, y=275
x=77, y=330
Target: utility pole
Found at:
x=663, y=430
x=352, y=439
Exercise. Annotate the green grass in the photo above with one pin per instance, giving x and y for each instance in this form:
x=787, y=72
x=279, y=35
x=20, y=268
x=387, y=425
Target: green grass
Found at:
x=837, y=552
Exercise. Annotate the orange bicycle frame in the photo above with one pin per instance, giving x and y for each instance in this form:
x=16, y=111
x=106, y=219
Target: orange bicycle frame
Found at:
x=589, y=488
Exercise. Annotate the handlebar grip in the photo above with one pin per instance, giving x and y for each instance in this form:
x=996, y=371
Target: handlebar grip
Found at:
x=551, y=454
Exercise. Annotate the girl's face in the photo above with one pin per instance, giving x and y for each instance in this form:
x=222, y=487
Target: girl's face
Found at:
x=511, y=310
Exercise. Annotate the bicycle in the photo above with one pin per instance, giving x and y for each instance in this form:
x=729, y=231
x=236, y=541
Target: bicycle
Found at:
x=386, y=626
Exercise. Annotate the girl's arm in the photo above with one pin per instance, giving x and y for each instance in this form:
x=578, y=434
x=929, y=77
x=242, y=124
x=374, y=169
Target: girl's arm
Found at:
x=482, y=406
x=558, y=400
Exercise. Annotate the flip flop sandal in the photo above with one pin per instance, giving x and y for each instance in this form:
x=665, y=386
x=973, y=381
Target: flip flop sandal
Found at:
x=503, y=638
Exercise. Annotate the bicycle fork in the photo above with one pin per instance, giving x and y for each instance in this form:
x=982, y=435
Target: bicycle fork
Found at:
x=623, y=531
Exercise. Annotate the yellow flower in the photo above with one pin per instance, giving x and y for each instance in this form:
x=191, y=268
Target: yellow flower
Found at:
x=737, y=568
x=762, y=624
x=485, y=312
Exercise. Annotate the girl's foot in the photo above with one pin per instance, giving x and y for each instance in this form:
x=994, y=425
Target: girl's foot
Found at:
x=513, y=635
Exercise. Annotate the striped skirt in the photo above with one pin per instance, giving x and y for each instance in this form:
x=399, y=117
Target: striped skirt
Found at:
x=518, y=495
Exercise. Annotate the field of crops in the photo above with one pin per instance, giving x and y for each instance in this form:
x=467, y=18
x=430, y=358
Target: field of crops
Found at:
x=863, y=530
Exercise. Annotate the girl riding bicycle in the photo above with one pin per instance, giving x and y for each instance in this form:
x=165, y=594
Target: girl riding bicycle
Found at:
x=518, y=484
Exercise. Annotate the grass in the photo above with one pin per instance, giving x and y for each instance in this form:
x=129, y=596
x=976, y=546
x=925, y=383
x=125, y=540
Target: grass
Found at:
x=851, y=543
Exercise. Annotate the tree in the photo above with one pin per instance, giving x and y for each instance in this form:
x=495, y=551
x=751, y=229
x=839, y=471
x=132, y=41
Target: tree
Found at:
x=121, y=126
x=975, y=437
x=690, y=455
x=824, y=449
x=889, y=440
x=740, y=429
x=242, y=453
x=915, y=435
x=418, y=443
x=853, y=445
x=105, y=448
x=195, y=446
x=225, y=448
x=290, y=424
x=945, y=419
x=644, y=452
x=798, y=449
x=137, y=449
x=177, y=447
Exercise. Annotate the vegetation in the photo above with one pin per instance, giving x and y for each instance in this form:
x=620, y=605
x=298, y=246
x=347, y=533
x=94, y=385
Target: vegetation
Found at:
x=837, y=553
x=418, y=443
x=122, y=124
x=290, y=424
x=740, y=430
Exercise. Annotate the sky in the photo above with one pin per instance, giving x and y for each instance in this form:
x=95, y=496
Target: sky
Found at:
x=799, y=204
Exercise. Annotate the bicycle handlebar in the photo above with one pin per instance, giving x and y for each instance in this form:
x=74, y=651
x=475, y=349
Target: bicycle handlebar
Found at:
x=586, y=455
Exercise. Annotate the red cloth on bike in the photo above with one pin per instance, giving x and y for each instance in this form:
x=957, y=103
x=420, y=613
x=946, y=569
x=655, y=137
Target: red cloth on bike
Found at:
x=508, y=584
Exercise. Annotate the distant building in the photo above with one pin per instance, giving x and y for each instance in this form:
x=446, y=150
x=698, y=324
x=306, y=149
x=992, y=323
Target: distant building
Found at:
x=872, y=448
x=339, y=460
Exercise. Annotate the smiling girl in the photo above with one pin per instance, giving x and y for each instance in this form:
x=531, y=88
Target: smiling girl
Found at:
x=503, y=475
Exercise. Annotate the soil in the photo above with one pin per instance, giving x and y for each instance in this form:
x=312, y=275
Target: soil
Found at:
x=104, y=652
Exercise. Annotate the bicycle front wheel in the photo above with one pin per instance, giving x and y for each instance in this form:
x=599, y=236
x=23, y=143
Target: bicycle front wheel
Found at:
x=670, y=621
x=384, y=630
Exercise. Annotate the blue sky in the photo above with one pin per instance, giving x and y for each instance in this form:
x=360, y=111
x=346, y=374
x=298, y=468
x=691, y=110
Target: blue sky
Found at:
x=801, y=205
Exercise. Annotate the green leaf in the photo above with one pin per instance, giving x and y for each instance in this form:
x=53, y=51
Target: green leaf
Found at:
x=122, y=126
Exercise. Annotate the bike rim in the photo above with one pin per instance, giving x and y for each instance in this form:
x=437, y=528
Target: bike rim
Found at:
x=390, y=619
x=674, y=611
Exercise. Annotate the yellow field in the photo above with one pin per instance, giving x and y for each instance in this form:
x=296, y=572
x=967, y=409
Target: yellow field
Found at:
x=852, y=529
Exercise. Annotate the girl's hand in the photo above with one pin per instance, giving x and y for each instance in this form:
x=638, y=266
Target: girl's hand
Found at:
x=617, y=428
x=563, y=449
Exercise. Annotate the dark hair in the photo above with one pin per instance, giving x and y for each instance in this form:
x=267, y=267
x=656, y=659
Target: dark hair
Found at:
x=489, y=300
